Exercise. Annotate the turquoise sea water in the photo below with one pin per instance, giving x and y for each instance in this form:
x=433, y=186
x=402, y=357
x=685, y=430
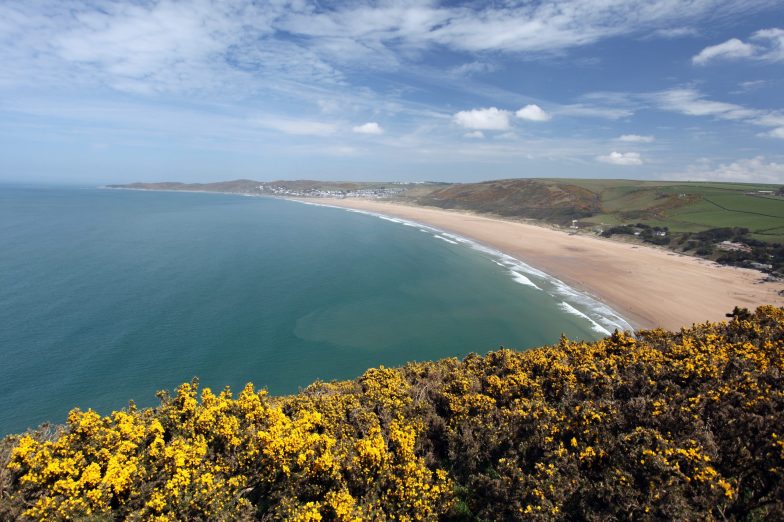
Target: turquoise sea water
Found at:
x=109, y=295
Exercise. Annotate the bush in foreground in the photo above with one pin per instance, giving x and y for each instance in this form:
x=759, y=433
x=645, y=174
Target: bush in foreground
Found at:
x=683, y=425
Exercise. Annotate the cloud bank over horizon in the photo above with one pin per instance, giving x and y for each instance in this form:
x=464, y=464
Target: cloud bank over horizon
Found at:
x=208, y=90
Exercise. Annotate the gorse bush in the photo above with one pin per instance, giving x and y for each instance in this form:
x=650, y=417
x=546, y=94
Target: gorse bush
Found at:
x=684, y=425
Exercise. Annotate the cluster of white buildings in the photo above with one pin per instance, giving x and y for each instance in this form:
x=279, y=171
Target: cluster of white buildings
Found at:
x=368, y=193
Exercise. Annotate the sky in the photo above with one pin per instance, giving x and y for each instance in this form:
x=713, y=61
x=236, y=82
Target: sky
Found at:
x=114, y=92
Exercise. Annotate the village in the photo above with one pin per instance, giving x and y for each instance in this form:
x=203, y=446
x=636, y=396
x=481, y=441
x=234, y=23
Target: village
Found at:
x=367, y=193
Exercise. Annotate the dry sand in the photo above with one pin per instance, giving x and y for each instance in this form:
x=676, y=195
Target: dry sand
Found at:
x=649, y=287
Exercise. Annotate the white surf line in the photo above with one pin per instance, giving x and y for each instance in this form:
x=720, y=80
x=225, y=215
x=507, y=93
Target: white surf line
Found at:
x=520, y=278
x=442, y=238
x=566, y=307
x=602, y=317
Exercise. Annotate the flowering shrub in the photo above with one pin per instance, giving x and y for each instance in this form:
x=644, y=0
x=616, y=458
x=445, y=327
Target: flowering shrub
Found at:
x=680, y=425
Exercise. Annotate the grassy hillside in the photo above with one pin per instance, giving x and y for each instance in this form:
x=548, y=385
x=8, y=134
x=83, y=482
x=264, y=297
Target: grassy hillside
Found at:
x=530, y=198
x=680, y=206
x=669, y=425
x=694, y=207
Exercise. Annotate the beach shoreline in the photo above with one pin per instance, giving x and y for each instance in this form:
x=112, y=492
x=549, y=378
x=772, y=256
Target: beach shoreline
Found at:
x=649, y=287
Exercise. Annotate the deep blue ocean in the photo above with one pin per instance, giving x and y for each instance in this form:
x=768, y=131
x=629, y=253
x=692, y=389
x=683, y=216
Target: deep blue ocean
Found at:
x=111, y=295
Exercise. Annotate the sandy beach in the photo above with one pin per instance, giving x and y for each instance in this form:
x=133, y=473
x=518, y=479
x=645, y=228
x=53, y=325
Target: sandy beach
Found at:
x=650, y=287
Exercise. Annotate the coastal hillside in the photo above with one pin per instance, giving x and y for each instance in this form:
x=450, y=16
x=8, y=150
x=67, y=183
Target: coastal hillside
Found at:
x=666, y=425
x=528, y=198
x=681, y=207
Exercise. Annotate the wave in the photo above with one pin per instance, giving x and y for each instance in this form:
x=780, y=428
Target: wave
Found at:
x=442, y=238
x=601, y=317
x=520, y=278
x=569, y=309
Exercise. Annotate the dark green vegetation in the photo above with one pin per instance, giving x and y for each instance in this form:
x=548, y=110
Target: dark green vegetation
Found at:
x=681, y=425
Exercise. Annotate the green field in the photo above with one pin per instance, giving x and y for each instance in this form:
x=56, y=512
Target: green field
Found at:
x=689, y=206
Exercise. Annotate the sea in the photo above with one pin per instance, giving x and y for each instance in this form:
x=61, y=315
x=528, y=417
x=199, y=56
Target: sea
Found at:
x=108, y=296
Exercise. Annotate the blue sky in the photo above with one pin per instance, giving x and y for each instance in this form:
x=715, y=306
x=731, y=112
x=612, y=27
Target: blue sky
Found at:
x=101, y=92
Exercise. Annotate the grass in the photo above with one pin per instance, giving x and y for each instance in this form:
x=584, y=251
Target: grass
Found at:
x=689, y=206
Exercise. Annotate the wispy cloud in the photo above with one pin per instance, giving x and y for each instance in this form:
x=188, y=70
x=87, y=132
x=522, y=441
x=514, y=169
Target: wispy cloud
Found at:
x=691, y=102
x=547, y=27
x=297, y=127
x=472, y=68
x=636, y=138
x=580, y=110
x=670, y=33
x=749, y=85
x=171, y=46
x=755, y=169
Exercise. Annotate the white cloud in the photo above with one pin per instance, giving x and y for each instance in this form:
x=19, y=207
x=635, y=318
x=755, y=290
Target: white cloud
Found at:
x=732, y=48
x=772, y=40
x=621, y=158
x=297, y=127
x=636, y=138
x=692, y=103
x=370, y=127
x=768, y=46
x=474, y=134
x=748, y=170
x=483, y=119
x=532, y=113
